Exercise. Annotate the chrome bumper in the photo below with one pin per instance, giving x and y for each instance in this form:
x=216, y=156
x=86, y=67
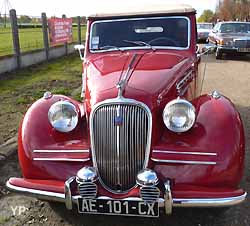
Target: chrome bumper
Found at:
x=168, y=202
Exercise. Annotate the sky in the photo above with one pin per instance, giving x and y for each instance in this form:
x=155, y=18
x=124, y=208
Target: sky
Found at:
x=83, y=7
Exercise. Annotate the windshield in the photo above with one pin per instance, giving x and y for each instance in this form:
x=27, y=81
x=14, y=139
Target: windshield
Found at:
x=205, y=26
x=167, y=32
x=235, y=28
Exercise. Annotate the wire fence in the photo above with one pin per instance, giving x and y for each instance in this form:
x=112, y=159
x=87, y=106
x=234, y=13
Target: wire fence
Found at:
x=30, y=33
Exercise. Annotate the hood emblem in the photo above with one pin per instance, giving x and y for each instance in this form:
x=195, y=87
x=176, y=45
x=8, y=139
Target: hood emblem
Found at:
x=124, y=79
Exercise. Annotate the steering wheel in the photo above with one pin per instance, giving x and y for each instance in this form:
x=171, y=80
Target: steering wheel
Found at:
x=164, y=38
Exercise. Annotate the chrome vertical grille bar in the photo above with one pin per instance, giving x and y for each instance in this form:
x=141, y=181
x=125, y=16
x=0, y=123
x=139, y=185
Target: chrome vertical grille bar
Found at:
x=120, y=149
x=118, y=109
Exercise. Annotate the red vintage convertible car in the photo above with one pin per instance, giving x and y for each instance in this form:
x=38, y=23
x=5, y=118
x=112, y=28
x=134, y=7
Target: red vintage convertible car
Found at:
x=144, y=137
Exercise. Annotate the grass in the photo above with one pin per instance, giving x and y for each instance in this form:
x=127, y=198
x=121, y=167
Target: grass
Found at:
x=6, y=46
x=20, y=89
x=61, y=76
x=4, y=220
x=30, y=39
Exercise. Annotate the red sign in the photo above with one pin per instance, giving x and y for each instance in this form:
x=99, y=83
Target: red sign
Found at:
x=60, y=30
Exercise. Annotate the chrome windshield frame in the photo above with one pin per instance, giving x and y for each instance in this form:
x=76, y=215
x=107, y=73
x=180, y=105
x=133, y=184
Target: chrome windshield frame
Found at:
x=141, y=47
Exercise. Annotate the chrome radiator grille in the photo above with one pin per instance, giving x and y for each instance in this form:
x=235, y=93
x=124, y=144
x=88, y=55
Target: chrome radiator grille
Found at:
x=120, y=136
x=242, y=43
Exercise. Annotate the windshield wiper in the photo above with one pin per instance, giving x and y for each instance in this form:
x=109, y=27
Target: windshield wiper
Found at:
x=109, y=47
x=139, y=43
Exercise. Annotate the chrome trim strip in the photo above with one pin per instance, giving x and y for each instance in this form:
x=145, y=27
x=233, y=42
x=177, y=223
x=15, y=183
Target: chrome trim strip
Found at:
x=121, y=100
x=213, y=202
x=183, y=162
x=185, y=153
x=241, y=39
x=61, y=159
x=143, y=47
x=184, y=81
x=58, y=197
x=61, y=151
x=44, y=195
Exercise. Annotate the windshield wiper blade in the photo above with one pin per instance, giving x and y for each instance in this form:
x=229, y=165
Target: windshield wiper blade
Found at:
x=139, y=43
x=109, y=47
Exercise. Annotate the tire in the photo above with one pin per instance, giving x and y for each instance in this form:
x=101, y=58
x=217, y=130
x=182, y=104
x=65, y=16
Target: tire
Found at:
x=218, y=54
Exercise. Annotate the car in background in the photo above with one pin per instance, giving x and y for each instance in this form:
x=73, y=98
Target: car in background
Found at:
x=203, y=30
x=231, y=37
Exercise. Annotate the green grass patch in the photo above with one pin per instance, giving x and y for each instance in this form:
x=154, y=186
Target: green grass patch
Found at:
x=4, y=220
x=20, y=89
x=30, y=39
x=6, y=46
x=59, y=76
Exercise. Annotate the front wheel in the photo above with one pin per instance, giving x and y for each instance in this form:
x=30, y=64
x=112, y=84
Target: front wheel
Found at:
x=218, y=54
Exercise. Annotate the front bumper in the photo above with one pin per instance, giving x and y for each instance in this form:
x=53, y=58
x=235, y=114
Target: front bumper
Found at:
x=168, y=202
x=231, y=49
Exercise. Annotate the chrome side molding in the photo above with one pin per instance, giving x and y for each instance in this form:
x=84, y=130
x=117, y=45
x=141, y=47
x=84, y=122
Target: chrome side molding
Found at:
x=183, y=162
x=185, y=153
x=61, y=151
x=62, y=159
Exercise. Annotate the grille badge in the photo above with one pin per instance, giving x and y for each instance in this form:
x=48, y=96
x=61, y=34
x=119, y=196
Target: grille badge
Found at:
x=118, y=120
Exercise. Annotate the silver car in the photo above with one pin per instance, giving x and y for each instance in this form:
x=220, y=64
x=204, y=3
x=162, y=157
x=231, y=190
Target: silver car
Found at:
x=203, y=30
x=231, y=37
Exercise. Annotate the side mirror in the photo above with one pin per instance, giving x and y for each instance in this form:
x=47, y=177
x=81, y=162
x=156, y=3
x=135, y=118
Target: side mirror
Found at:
x=79, y=48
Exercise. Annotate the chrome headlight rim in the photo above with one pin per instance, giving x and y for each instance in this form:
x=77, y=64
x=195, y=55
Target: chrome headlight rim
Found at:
x=188, y=105
x=64, y=104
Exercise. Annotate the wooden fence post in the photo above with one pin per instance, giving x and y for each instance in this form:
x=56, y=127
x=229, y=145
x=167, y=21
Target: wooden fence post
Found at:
x=65, y=44
x=45, y=35
x=79, y=30
x=15, y=37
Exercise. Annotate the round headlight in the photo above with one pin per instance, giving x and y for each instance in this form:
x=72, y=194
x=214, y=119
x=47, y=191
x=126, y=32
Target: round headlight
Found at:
x=179, y=115
x=63, y=116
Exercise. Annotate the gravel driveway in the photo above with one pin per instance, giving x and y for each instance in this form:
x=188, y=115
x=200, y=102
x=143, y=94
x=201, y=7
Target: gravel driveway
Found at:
x=231, y=77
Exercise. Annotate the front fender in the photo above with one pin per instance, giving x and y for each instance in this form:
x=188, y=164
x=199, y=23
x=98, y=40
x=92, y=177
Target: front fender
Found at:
x=36, y=133
x=218, y=130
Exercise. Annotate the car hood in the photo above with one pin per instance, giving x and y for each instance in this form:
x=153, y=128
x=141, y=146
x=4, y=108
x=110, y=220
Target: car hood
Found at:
x=152, y=73
x=203, y=30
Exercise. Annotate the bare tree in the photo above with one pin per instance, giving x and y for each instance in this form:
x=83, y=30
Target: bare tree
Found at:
x=234, y=10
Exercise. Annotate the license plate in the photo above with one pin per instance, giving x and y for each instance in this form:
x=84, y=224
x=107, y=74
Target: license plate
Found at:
x=244, y=50
x=118, y=207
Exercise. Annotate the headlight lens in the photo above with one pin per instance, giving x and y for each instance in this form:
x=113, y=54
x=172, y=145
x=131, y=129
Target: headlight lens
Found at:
x=179, y=115
x=63, y=116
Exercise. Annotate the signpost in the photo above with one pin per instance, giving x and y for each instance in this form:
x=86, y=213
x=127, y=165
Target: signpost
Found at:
x=60, y=30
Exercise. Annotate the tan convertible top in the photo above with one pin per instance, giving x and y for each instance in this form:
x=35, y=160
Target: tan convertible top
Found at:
x=140, y=10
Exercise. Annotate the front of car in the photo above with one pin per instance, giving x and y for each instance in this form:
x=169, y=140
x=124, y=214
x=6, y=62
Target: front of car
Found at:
x=141, y=140
x=203, y=30
x=233, y=37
